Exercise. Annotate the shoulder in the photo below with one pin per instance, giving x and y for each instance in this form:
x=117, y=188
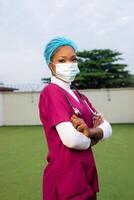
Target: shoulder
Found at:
x=84, y=97
x=51, y=90
x=87, y=99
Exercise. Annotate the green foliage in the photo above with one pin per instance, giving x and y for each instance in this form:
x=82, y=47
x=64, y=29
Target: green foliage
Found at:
x=101, y=69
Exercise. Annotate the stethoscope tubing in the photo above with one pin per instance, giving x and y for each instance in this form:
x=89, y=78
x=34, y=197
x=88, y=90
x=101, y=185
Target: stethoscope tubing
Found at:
x=76, y=111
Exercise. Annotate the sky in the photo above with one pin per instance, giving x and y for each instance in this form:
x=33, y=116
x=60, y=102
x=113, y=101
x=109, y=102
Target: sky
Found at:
x=27, y=25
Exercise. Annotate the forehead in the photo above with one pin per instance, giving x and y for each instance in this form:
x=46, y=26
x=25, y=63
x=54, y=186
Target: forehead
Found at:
x=64, y=51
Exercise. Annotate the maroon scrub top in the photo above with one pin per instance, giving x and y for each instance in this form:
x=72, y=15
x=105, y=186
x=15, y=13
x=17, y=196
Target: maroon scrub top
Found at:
x=70, y=174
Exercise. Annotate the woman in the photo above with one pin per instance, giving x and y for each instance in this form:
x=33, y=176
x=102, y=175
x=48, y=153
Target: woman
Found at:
x=71, y=127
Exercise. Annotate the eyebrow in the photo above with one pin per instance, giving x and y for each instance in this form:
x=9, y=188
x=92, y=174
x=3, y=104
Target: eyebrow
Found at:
x=66, y=57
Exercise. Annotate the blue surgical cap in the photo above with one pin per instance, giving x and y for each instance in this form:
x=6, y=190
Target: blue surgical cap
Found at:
x=54, y=44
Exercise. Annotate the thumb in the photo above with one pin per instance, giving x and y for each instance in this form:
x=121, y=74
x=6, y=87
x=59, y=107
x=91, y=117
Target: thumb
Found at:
x=74, y=116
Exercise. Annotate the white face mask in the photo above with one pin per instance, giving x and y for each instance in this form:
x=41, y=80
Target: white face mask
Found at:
x=67, y=71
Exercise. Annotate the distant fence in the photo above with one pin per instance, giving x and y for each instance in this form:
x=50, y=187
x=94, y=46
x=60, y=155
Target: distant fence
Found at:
x=21, y=108
x=1, y=109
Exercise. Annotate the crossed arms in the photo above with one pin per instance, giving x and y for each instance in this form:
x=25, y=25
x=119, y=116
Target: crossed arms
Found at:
x=77, y=135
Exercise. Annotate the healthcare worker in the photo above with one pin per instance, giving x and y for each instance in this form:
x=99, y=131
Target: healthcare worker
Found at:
x=71, y=125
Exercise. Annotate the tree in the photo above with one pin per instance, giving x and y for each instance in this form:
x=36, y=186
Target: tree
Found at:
x=100, y=68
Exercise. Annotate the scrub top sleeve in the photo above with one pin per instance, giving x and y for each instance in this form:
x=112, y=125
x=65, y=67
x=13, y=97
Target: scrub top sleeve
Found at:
x=55, y=107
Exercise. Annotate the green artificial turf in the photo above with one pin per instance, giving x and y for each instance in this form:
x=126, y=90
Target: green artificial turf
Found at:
x=22, y=159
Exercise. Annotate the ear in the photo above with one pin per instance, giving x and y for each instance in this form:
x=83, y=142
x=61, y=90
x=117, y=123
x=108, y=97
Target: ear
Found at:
x=52, y=68
x=51, y=65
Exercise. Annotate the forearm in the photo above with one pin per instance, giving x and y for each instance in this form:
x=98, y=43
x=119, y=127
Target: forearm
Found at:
x=72, y=138
x=95, y=133
x=101, y=132
x=107, y=129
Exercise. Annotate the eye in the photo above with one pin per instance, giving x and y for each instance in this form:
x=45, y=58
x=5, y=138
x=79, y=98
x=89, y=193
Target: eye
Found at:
x=74, y=59
x=61, y=60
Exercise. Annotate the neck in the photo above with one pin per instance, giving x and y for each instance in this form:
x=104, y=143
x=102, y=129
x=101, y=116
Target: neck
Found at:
x=63, y=85
x=60, y=82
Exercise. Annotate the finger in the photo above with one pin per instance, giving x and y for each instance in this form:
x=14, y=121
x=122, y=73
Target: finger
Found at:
x=94, y=142
x=95, y=124
x=99, y=120
x=81, y=127
x=99, y=114
x=74, y=120
x=78, y=120
x=96, y=116
x=74, y=117
x=96, y=121
x=76, y=123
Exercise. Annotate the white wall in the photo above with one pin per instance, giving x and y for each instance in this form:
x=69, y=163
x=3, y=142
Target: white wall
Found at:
x=1, y=108
x=117, y=105
x=21, y=108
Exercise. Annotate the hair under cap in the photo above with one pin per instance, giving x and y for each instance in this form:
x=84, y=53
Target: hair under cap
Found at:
x=54, y=44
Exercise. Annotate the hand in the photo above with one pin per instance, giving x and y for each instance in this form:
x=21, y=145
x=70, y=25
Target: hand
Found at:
x=94, y=142
x=98, y=120
x=80, y=125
